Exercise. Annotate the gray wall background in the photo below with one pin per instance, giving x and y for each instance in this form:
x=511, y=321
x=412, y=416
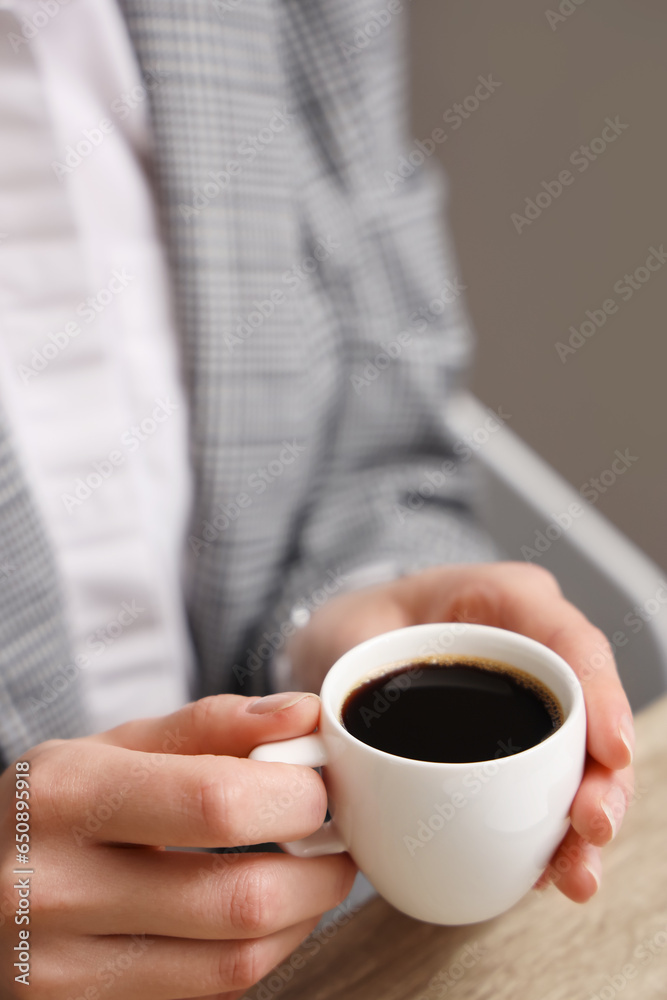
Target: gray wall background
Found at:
x=557, y=86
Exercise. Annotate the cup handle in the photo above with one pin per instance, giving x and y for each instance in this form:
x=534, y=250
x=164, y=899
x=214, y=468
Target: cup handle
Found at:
x=311, y=752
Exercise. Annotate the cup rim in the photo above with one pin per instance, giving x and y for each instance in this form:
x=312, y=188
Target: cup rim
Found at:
x=571, y=720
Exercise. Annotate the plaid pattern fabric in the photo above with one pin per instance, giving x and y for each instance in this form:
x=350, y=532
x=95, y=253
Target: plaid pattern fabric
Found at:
x=39, y=697
x=320, y=325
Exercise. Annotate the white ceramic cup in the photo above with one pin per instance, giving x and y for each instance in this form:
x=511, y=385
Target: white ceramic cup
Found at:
x=445, y=843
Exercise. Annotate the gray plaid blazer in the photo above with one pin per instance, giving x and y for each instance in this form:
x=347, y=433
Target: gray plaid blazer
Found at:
x=321, y=334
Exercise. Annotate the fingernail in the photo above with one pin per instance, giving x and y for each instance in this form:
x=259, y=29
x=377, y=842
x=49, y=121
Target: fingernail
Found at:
x=613, y=805
x=277, y=702
x=592, y=862
x=627, y=733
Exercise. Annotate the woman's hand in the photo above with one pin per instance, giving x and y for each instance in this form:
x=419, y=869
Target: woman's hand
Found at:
x=113, y=916
x=522, y=598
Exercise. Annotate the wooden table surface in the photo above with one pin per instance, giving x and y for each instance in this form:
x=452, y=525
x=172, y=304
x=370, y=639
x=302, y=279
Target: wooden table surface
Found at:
x=546, y=948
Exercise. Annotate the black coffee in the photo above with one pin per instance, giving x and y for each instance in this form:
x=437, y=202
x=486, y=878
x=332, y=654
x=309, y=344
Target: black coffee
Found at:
x=452, y=710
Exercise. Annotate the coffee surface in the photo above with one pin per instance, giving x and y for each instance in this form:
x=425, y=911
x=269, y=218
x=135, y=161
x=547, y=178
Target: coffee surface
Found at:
x=460, y=710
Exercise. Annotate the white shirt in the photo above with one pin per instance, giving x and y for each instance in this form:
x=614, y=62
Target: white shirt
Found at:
x=89, y=370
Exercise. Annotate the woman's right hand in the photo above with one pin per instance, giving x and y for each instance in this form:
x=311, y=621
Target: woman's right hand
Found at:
x=112, y=914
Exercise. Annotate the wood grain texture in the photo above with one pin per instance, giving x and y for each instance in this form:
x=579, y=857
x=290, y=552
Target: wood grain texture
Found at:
x=546, y=948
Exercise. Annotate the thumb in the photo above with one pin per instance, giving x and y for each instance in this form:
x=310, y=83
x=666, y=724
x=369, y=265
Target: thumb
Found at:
x=220, y=724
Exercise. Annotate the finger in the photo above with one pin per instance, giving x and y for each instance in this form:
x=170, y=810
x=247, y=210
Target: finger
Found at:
x=601, y=802
x=575, y=869
x=220, y=724
x=146, y=968
x=123, y=796
x=220, y=896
